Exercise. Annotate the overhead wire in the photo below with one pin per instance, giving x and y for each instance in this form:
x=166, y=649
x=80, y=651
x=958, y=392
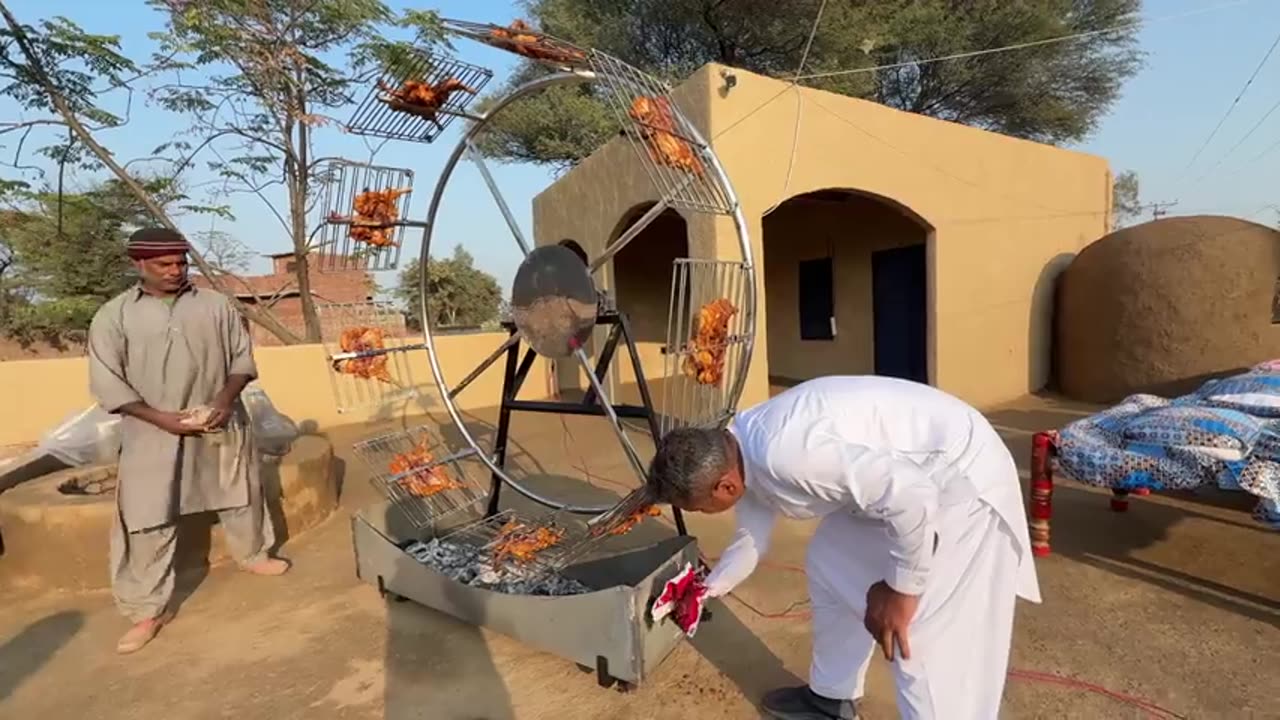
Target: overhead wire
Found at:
x=795, y=136
x=1242, y=140
x=1231, y=108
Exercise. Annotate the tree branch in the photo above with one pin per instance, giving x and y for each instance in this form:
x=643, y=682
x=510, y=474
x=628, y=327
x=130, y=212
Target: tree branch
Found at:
x=60, y=104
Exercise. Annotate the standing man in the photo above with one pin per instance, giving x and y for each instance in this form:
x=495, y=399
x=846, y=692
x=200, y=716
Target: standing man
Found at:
x=922, y=547
x=158, y=350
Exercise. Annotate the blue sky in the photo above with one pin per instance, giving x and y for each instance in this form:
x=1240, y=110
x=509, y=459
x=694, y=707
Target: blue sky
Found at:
x=1195, y=67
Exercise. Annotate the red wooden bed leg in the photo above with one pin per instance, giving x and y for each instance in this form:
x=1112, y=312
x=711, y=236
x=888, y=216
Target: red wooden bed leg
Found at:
x=1041, y=492
x=1120, y=501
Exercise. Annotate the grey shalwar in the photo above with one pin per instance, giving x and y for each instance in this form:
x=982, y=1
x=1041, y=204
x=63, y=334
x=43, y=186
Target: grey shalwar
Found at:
x=174, y=356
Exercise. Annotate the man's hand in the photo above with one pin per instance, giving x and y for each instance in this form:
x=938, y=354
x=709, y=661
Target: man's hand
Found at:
x=171, y=422
x=889, y=613
x=221, y=414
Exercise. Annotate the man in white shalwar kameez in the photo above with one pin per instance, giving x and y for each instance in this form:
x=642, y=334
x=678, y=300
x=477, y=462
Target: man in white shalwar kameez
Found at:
x=922, y=547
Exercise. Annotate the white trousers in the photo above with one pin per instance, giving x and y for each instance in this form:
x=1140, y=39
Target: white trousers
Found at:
x=961, y=633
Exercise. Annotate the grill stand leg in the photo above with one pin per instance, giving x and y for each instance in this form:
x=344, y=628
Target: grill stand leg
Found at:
x=1041, y=492
x=515, y=374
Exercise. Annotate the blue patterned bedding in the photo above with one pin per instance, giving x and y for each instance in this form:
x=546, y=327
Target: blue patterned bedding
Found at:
x=1226, y=433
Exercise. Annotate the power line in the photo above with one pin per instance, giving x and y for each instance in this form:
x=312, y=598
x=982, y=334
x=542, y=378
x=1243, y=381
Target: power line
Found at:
x=1240, y=142
x=1233, y=104
x=1035, y=43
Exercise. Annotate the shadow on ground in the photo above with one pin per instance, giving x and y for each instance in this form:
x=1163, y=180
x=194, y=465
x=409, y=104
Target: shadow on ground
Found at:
x=25, y=653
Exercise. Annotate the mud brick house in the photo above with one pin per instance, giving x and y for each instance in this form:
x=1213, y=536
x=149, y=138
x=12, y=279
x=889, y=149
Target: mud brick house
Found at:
x=331, y=283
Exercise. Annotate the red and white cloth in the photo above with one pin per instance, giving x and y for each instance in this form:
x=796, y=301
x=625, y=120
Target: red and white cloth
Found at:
x=682, y=598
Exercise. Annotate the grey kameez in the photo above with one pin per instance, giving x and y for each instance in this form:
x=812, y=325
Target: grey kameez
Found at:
x=174, y=356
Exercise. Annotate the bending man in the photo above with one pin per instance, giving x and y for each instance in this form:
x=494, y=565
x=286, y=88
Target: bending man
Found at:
x=157, y=349
x=922, y=546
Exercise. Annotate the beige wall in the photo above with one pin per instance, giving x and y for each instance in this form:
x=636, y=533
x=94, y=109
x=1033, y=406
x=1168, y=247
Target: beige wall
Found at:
x=1006, y=213
x=40, y=393
x=847, y=232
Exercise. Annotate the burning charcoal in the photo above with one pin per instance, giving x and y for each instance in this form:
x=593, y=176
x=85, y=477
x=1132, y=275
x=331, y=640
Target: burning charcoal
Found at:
x=471, y=567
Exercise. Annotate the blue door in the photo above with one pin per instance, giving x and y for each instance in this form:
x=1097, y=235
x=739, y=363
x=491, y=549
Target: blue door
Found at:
x=899, y=312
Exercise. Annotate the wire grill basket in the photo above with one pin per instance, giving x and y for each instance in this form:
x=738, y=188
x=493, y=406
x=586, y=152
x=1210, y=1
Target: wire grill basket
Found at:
x=486, y=536
x=348, y=241
x=417, y=473
x=361, y=373
x=383, y=115
x=678, y=164
x=704, y=350
x=522, y=40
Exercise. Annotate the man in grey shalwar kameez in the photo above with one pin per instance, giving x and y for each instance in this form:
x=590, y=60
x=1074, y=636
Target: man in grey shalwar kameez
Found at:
x=157, y=352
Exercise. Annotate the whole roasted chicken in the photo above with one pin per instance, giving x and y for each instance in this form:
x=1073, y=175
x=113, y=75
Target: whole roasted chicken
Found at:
x=425, y=481
x=706, y=358
x=422, y=98
x=658, y=128
x=521, y=39
x=374, y=215
x=363, y=339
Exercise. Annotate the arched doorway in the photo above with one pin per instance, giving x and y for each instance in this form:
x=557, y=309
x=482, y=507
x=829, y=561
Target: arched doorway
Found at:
x=642, y=271
x=846, y=281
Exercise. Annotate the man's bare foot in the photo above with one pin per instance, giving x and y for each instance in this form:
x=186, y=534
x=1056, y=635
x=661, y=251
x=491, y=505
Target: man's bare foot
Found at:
x=270, y=567
x=140, y=634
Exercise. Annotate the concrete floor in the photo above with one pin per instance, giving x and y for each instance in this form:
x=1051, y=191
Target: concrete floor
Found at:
x=1177, y=602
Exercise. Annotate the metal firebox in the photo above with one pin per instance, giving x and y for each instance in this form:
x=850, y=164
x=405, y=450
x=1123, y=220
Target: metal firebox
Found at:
x=609, y=629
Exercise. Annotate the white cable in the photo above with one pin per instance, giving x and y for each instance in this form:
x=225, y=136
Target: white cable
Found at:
x=795, y=136
x=1023, y=46
x=1240, y=142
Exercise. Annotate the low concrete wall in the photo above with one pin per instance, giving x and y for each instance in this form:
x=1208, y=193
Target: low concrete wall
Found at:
x=54, y=541
x=40, y=393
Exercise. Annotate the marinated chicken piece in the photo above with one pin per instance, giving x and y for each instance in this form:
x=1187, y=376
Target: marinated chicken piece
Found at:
x=658, y=131
x=363, y=339
x=422, y=98
x=522, y=39
x=635, y=518
x=706, y=358
x=425, y=481
x=375, y=213
x=520, y=542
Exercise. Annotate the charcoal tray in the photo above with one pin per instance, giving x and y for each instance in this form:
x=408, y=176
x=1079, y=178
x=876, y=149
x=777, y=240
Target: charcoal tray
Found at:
x=609, y=629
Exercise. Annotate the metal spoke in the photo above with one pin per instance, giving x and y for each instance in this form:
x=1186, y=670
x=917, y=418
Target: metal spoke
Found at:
x=485, y=364
x=636, y=228
x=476, y=158
x=607, y=405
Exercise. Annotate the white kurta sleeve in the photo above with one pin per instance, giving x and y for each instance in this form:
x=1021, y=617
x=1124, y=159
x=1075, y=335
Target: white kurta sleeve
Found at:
x=896, y=491
x=887, y=487
x=755, y=522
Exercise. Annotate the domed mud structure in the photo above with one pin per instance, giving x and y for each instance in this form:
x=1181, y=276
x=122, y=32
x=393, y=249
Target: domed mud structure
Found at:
x=1158, y=307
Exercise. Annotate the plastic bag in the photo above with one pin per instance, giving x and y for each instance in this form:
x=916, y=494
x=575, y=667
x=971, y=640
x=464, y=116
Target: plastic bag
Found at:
x=89, y=437
x=273, y=432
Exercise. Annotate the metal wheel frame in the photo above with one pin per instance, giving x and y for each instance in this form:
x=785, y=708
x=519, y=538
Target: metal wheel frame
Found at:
x=465, y=146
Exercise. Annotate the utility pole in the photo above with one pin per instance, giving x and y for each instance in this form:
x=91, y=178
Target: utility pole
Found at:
x=1159, y=210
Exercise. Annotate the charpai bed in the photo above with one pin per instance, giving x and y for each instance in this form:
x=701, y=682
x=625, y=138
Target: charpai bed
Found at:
x=1227, y=433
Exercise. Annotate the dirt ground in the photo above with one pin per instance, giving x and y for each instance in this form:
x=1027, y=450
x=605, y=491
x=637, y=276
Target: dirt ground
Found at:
x=1176, y=602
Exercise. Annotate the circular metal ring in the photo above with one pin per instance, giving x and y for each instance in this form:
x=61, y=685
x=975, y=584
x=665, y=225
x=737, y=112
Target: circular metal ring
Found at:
x=555, y=80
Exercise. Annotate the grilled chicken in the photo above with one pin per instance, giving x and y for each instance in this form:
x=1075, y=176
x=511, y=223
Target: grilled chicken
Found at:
x=523, y=40
x=363, y=339
x=425, y=481
x=520, y=542
x=375, y=213
x=706, y=358
x=658, y=127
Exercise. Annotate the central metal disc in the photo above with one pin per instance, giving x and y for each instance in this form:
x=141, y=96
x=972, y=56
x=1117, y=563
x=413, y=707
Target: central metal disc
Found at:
x=553, y=301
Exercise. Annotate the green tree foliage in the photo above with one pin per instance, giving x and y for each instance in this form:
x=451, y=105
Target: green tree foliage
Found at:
x=461, y=294
x=1055, y=92
x=68, y=256
x=274, y=71
x=1126, y=204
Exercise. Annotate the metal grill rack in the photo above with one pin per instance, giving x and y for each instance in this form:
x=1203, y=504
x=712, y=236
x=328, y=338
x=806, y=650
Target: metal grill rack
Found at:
x=351, y=391
x=341, y=181
x=696, y=189
x=380, y=115
x=543, y=48
x=483, y=535
x=385, y=454
x=687, y=401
